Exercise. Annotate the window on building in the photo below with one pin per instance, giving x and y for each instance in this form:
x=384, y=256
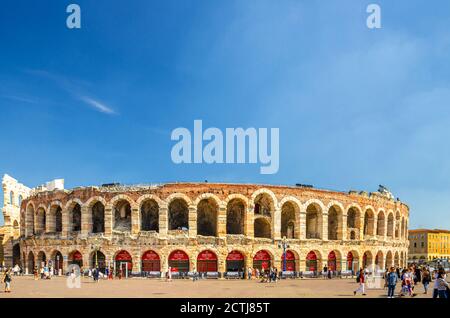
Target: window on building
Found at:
x=11, y=197
x=20, y=200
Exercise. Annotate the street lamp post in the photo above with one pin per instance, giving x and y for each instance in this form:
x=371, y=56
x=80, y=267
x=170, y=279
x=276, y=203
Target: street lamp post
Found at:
x=284, y=245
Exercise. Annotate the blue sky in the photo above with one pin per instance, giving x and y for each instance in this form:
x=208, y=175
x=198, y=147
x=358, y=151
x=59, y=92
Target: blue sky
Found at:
x=355, y=107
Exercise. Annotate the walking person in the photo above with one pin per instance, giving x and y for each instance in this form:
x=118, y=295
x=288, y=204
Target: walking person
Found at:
x=440, y=273
x=361, y=280
x=442, y=286
x=426, y=280
x=169, y=274
x=7, y=280
x=391, y=279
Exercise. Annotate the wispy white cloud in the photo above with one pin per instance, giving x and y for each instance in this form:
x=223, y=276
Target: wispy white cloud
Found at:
x=20, y=99
x=99, y=106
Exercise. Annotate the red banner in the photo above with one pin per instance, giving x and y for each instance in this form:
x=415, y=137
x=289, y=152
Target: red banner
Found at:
x=178, y=255
x=207, y=256
x=235, y=256
x=311, y=256
x=150, y=256
x=289, y=256
x=262, y=256
x=332, y=256
x=123, y=256
x=76, y=256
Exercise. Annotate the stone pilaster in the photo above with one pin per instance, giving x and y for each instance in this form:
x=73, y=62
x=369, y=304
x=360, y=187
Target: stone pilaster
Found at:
x=303, y=224
x=344, y=227
x=86, y=221
x=109, y=221
x=324, y=226
x=222, y=222
x=276, y=221
x=65, y=223
x=192, y=221
x=135, y=221
x=249, y=222
x=163, y=222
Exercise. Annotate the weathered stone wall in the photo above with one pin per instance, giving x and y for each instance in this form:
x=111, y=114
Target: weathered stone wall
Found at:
x=368, y=207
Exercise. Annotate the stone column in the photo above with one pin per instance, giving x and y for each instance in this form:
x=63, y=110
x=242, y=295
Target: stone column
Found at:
x=108, y=221
x=303, y=224
x=344, y=226
x=302, y=264
x=221, y=263
x=361, y=228
x=325, y=226
x=65, y=223
x=276, y=220
x=249, y=222
x=193, y=264
x=135, y=220
x=163, y=222
x=192, y=221
x=136, y=260
x=222, y=222
x=86, y=221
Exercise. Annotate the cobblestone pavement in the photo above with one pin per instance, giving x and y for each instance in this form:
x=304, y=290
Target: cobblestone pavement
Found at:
x=136, y=287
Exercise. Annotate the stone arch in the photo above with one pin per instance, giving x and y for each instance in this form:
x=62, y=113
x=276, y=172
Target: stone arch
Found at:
x=396, y=259
x=397, y=225
x=335, y=222
x=389, y=259
x=41, y=259
x=40, y=222
x=258, y=192
x=402, y=229
x=55, y=217
x=178, y=195
x=334, y=260
x=98, y=217
x=121, y=207
x=313, y=260
x=30, y=262
x=352, y=261
x=236, y=214
x=353, y=221
x=97, y=259
x=379, y=260
x=178, y=211
x=369, y=222
x=264, y=204
x=367, y=259
x=210, y=196
x=207, y=214
x=73, y=207
x=141, y=200
x=149, y=214
x=381, y=223
x=314, y=219
x=291, y=264
x=390, y=225
x=290, y=212
x=57, y=261
x=262, y=227
x=75, y=257
x=29, y=219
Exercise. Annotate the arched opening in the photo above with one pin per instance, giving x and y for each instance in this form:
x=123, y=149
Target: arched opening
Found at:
x=30, y=263
x=235, y=216
x=402, y=234
x=389, y=259
x=396, y=259
x=262, y=228
x=123, y=264
x=11, y=198
x=264, y=205
x=334, y=223
x=98, y=218
x=75, y=218
x=41, y=259
x=151, y=262
x=352, y=262
x=57, y=262
x=40, y=221
x=179, y=261
x=381, y=225
x=367, y=259
x=207, y=210
x=390, y=226
x=313, y=222
x=122, y=216
x=98, y=260
x=288, y=220
x=290, y=264
x=369, y=223
x=57, y=219
x=16, y=255
x=235, y=262
x=178, y=215
x=353, y=223
x=150, y=216
x=75, y=258
x=332, y=261
x=262, y=260
x=312, y=262
x=206, y=262
x=20, y=199
x=379, y=260
x=30, y=230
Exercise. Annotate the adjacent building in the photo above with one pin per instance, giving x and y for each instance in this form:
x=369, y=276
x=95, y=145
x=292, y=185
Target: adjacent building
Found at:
x=427, y=245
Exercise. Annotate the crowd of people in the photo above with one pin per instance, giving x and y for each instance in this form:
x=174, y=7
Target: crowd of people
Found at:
x=408, y=279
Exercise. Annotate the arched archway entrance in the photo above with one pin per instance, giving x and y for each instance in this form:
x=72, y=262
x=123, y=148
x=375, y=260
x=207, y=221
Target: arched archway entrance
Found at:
x=262, y=260
x=151, y=262
x=332, y=261
x=98, y=259
x=179, y=261
x=30, y=263
x=311, y=262
x=367, y=259
x=235, y=262
x=290, y=261
x=41, y=259
x=206, y=262
x=57, y=260
x=123, y=263
x=16, y=255
x=75, y=258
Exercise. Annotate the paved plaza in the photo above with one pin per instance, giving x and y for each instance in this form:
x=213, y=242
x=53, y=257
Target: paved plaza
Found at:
x=26, y=286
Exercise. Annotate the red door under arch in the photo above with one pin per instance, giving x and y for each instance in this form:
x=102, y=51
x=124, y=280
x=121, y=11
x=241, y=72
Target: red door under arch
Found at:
x=262, y=260
x=350, y=261
x=151, y=262
x=311, y=261
x=179, y=261
x=206, y=262
x=332, y=261
x=235, y=262
x=290, y=261
x=123, y=263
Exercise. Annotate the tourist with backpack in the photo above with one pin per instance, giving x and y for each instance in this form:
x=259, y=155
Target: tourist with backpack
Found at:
x=361, y=279
x=391, y=280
